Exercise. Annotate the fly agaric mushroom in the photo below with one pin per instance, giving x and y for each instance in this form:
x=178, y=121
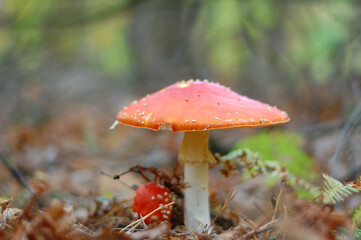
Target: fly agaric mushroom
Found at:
x=149, y=197
x=194, y=107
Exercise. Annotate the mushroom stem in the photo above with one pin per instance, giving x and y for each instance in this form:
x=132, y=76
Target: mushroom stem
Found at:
x=195, y=156
x=196, y=197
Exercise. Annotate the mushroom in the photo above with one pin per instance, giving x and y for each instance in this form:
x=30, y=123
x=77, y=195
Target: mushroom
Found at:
x=149, y=197
x=194, y=107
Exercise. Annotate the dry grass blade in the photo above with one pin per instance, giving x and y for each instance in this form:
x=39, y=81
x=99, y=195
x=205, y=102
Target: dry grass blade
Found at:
x=278, y=202
x=249, y=221
x=136, y=223
x=231, y=195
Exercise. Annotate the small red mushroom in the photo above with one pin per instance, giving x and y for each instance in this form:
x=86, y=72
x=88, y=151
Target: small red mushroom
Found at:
x=148, y=198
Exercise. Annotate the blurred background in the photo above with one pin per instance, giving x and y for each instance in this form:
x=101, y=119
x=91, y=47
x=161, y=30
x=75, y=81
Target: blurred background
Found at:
x=67, y=67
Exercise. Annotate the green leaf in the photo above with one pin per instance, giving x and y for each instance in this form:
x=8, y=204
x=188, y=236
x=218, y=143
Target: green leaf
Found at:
x=282, y=147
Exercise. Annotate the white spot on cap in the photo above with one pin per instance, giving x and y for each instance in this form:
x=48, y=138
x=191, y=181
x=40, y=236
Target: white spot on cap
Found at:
x=217, y=118
x=153, y=198
x=159, y=196
x=183, y=84
x=251, y=120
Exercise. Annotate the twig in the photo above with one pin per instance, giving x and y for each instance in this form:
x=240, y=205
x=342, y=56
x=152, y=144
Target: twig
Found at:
x=19, y=177
x=248, y=220
x=229, y=198
x=277, y=203
x=264, y=228
x=112, y=176
x=313, y=199
x=285, y=219
x=346, y=130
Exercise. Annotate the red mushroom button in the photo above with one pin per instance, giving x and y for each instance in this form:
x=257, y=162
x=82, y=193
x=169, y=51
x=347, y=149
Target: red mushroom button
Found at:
x=148, y=198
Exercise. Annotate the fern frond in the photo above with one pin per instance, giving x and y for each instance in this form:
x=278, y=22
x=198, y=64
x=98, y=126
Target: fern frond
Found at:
x=334, y=191
x=356, y=218
x=312, y=189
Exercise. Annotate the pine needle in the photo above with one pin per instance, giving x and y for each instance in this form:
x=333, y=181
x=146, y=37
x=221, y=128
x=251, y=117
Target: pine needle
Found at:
x=229, y=198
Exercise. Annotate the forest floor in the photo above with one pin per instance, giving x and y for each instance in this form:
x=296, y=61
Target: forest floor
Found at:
x=60, y=185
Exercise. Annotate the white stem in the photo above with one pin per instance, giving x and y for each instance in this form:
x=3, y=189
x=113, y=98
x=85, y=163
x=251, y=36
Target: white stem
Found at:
x=196, y=199
x=195, y=156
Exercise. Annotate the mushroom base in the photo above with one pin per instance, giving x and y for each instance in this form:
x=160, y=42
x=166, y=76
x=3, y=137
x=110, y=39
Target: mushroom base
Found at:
x=196, y=197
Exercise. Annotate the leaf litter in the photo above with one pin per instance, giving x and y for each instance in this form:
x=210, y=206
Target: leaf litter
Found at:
x=76, y=214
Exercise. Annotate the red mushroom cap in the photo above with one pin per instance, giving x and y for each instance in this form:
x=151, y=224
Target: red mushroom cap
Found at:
x=198, y=106
x=151, y=196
